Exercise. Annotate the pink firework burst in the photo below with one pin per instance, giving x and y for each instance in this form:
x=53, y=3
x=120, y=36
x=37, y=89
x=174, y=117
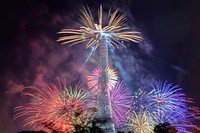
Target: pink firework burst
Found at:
x=55, y=109
x=94, y=79
x=120, y=102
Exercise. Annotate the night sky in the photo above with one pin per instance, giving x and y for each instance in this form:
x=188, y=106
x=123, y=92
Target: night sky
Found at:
x=30, y=54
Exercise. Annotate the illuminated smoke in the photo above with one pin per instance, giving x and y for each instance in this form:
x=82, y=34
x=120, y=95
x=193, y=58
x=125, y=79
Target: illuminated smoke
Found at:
x=38, y=58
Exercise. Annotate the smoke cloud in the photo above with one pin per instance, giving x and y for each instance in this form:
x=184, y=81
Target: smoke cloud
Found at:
x=39, y=58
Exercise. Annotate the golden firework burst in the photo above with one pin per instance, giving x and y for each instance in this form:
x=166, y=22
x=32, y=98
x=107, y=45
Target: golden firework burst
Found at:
x=94, y=34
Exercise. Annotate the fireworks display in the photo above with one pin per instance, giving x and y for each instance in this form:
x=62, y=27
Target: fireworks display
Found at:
x=166, y=103
x=120, y=102
x=61, y=108
x=182, y=123
x=94, y=79
x=167, y=98
x=140, y=99
x=55, y=109
x=94, y=34
x=140, y=122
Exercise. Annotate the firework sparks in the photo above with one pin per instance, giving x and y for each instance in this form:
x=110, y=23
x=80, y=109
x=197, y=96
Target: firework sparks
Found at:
x=181, y=123
x=94, y=79
x=168, y=104
x=120, y=103
x=167, y=98
x=55, y=109
x=94, y=34
x=141, y=99
x=140, y=122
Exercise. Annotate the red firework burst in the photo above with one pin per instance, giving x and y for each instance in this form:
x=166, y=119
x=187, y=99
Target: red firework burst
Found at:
x=55, y=109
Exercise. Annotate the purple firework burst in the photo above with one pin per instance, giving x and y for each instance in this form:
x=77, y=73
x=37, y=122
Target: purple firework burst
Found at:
x=120, y=102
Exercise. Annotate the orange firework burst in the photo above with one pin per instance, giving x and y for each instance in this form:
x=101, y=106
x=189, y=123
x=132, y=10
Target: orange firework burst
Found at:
x=94, y=79
x=94, y=34
x=55, y=109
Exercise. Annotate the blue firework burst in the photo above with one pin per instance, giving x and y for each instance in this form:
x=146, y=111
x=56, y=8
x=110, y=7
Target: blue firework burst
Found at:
x=167, y=98
x=168, y=104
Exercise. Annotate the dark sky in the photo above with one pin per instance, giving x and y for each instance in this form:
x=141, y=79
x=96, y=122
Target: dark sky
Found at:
x=29, y=51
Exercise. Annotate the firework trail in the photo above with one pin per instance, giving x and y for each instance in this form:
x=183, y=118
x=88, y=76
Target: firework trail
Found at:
x=89, y=56
x=55, y=108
